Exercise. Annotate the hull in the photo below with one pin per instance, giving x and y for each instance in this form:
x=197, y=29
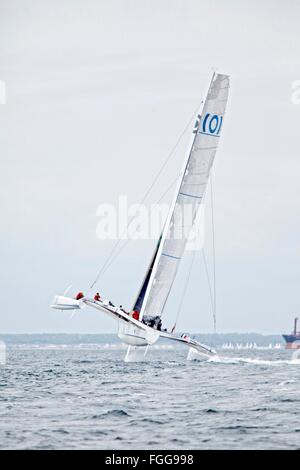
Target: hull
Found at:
x=133, y=340
x=292, y=341
x=135, y=336
x=196, y=355
x=133, y=332
x=66, y=303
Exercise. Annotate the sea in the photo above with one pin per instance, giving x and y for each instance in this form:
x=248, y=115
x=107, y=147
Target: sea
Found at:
x=76, y=392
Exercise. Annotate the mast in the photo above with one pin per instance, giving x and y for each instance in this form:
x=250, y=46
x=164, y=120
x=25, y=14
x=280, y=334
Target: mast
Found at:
x=141, y=295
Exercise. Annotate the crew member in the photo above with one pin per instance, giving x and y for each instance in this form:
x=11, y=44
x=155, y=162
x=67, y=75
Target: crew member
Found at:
x=97, y=297
x=135, y=314
x=79, y=296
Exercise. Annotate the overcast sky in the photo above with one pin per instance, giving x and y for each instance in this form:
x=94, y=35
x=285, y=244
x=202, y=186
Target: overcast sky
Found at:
x=98, y=93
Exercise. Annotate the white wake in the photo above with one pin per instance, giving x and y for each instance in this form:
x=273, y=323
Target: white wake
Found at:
x=254, y=361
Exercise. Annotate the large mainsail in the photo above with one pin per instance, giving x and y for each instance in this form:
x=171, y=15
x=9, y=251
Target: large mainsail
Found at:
x=157, y=284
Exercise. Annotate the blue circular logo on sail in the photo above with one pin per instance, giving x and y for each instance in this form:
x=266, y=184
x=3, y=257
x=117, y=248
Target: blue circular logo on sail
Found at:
x=211, y=124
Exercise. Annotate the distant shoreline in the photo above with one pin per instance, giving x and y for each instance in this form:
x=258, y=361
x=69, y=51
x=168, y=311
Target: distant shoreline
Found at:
x=214, y=339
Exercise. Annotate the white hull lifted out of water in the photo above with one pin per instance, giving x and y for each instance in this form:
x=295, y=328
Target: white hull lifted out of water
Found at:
x=132, y=332
x=135, y=329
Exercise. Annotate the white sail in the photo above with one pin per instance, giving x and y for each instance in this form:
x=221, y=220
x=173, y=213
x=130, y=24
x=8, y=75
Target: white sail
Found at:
x=187, y=199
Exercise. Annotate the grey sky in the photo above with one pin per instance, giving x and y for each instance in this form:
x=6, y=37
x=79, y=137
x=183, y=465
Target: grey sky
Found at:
x=97, y=94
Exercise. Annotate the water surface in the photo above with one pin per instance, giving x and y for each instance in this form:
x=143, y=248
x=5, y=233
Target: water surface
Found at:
x=88, y=398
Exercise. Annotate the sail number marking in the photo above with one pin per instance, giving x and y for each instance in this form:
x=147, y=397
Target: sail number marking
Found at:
x=211, y=124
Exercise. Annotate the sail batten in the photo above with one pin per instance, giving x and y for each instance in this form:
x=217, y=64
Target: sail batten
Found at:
x=188, y=197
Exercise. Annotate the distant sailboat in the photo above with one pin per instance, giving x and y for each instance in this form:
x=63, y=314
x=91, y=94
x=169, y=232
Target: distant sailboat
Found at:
x=142, y=328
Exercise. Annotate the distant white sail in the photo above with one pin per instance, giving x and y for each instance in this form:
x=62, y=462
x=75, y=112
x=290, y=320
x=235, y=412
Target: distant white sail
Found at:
x=157, y=284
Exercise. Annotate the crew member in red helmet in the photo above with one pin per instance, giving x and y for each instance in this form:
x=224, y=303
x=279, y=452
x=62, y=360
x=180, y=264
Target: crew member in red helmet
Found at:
x=135, y=314
x=79, y=296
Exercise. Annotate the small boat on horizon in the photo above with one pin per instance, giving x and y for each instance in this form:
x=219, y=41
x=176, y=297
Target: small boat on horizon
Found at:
x=293, y=340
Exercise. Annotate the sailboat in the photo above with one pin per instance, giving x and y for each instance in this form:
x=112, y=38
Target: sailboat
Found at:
x=141, y=328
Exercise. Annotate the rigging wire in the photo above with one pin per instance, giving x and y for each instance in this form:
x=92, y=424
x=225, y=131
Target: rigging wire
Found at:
x=209, y=287
x=186, y=283
x=214, y=254
x=186, y=286
x=128, y=240
x=171, y=153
